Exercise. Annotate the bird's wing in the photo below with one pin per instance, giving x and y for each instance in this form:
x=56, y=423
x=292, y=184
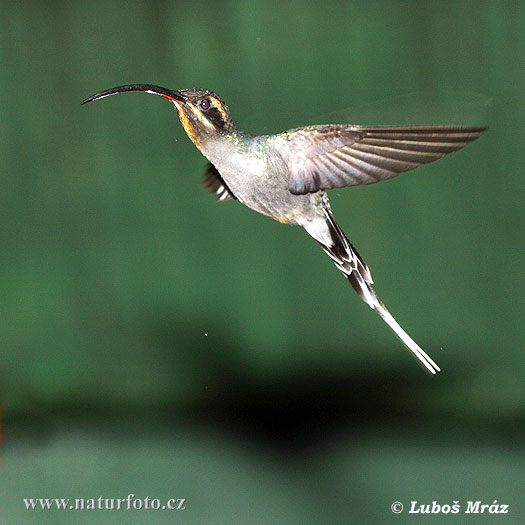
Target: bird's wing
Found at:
x=215, y=184
x=332, y=156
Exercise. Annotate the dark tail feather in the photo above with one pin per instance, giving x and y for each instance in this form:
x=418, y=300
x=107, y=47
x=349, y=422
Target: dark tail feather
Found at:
x=348, y=260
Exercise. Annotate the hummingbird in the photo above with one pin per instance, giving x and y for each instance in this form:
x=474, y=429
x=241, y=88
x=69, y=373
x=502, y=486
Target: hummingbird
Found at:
x=286, y=176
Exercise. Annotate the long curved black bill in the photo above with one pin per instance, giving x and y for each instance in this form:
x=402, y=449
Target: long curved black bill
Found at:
x=146, y=88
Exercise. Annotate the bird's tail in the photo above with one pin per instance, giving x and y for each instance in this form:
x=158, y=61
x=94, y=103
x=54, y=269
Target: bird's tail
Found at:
x=348, y=260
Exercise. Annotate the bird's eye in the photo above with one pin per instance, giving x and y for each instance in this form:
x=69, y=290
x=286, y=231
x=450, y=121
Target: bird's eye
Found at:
x=205, y=104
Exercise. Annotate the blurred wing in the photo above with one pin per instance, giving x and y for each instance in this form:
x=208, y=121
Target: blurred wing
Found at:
x=325, y=157
x=215, y=184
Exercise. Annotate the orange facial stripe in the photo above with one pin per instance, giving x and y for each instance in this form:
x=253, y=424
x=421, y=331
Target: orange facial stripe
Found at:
x=185, y=122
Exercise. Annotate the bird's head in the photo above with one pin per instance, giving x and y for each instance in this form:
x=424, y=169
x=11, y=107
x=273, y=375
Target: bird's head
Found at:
x=202, y=113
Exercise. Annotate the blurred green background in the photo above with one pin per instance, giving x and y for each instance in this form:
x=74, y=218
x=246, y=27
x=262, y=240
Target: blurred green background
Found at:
x=157, y=343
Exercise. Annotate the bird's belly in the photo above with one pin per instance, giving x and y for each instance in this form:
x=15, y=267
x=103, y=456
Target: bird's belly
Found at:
x=269, y=195
x=259, y=180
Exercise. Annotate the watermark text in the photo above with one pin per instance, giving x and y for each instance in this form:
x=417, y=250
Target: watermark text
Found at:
x=131, y=502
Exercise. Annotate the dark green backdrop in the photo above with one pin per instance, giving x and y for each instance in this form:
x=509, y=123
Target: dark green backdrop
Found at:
x=154, y=342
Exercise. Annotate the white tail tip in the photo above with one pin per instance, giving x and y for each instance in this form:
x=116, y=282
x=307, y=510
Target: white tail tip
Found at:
x=423, y=357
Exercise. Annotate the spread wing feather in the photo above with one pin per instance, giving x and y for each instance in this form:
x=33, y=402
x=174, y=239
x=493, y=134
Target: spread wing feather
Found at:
x=215, y=184
x=325, y=157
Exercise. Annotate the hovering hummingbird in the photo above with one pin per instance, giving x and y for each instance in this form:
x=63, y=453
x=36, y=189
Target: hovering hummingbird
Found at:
x=285, y=176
